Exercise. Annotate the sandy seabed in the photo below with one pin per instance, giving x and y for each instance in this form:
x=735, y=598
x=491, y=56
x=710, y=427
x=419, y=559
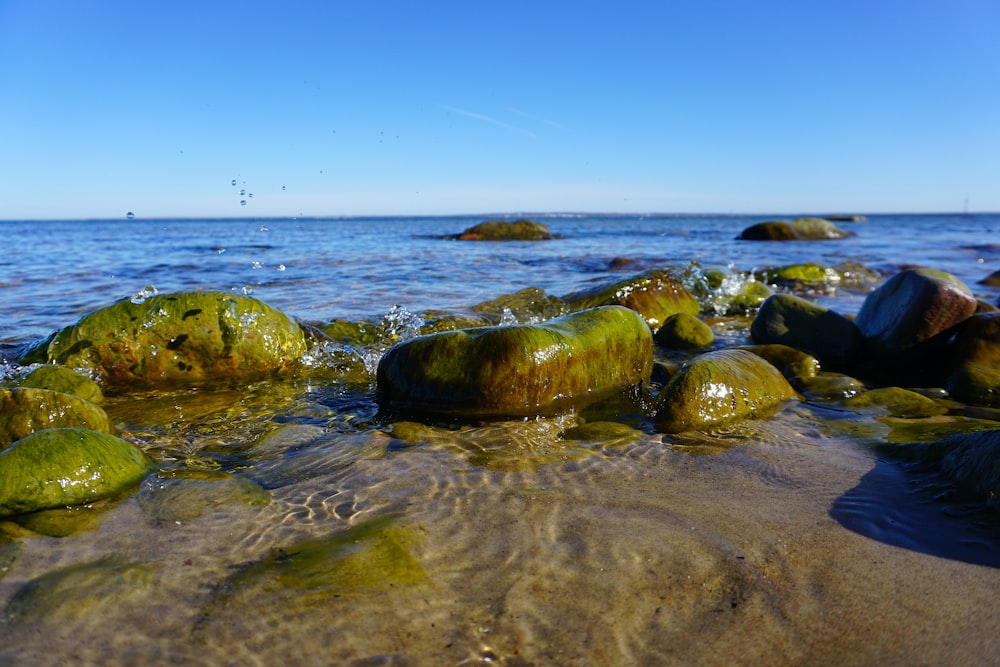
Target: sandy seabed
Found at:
x=715, y=551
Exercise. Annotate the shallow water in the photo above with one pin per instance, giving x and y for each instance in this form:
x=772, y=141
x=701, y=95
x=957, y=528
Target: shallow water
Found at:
x=289, y=523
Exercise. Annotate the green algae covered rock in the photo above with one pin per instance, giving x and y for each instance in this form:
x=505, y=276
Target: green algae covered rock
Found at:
x=799, y=273
x=503, y=230
x=25, y=410
x=895, y=401
x=717, y=388
x=975, y=375
x=800, y=229
x=66, y=466
x=184, y=338
x=683, y=331
x=64, y=380
x=794, y=364
x=973, y=463
x=528, y=305
x=804, y=325
x=656, y=295
x=519, y=370
x=911, y=316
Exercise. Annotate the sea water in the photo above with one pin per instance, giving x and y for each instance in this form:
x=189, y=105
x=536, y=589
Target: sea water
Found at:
x=288, y=522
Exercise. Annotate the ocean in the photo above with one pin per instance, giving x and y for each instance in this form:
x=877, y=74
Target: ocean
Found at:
x=289, y=522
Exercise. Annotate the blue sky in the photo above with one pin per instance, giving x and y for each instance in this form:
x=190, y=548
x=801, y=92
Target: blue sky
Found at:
x=391, y=107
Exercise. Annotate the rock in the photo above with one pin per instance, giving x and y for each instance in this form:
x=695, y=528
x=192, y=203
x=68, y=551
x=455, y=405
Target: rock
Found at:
x=992, y=280
x=826, y=386
x=518, y=370
x=65, y=381
x=25, y=410
x=502, y=230
x=975, y=375
x=656, y=295
x=66, y=466
x=794, y=364
x=911, y=316
x=528, y=305
x=971, y=462
x=800, y=229
x=683, y=331
x=847, y=218
x=717, y=388
x=804, y=325
x=895, y=401
x=799, y=273
x=188, y=338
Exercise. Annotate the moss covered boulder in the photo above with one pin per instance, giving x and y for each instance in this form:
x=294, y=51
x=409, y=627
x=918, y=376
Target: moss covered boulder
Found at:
x=64, y=380
x=66, y=466
x=518, y=370
x=718, y=388
x=505, y=230
x=799, y=229
x=24, y=410
x=183, y=338
x=656, y=295
x=683, y=331
x=911, y=316
x=789, y=320
x=975, y=375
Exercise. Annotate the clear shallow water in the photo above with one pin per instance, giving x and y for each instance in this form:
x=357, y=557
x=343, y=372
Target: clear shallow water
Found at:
x=289, y=524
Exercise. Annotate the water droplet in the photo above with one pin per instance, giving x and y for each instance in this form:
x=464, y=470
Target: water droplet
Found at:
x=243, y=202
x=242, y=192
x=281, y=267
x=250, y=195
x=130, y=216
x=234, y=182
x=282, y=188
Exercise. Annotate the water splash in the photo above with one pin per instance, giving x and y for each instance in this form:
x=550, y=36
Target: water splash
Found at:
x=143, y=294
x=507, y=318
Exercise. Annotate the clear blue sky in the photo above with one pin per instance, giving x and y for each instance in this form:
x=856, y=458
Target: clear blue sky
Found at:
x=400, y=107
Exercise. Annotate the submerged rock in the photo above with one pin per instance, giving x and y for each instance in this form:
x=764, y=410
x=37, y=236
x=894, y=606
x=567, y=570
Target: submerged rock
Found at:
x=720, y=387
x=656, y=295
x=804, y=325
x=64, y=380
x=25, y=410
x=975, y=375
x=895, y=401
x=800, y=229
x=66, y=466
x=503, y=230
x=519, y=370
x=911, y=316
x=184, y=338
x=972, y=463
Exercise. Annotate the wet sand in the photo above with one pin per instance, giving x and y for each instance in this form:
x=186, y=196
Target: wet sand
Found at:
x=504, y=545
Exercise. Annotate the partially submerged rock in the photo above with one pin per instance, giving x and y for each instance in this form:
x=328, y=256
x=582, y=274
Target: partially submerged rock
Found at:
x=25, y=410
x=66, y=466
x=720, y=387
x=184, y=338
x=519, y=370
x=683, y=331
x=975, y=375
x=800, y=229
x=911, y=316
x=804, y=325
x=64, y=380
x=656, y=295
x=504, y=230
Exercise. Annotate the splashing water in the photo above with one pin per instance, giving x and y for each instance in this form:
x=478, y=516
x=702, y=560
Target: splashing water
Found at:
x=143, y=294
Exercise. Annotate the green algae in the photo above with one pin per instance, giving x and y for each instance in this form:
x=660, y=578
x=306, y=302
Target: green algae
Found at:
x=84, y=589
x=185, y=497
